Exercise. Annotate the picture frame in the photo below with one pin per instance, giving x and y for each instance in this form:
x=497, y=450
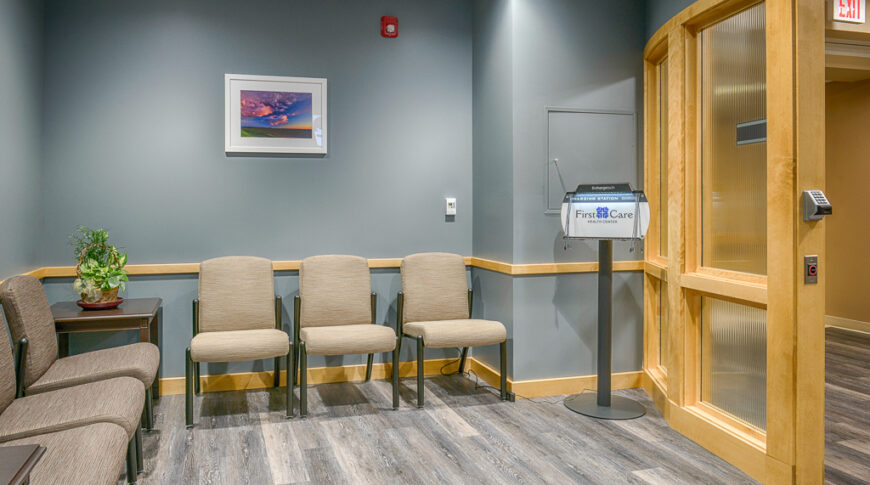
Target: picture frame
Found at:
x=275, y=114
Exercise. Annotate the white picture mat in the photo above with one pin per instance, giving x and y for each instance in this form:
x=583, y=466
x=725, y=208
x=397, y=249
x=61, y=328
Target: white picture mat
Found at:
x=236, y=83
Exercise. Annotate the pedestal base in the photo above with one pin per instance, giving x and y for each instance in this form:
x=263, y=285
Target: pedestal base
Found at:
x=620, y=407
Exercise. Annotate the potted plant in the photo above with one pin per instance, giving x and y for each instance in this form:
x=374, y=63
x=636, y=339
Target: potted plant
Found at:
x=100, y=272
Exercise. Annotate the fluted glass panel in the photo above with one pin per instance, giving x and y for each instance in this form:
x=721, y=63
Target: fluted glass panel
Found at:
x=663, y=158
x=663, y=322
x=734, y=146
x=734, y=359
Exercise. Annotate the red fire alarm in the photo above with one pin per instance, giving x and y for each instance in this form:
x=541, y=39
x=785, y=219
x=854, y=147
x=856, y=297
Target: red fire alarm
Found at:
x=389, y=26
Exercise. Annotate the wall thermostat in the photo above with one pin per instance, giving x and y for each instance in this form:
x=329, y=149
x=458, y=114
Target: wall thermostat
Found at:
x=450, y=206
x=816, y=205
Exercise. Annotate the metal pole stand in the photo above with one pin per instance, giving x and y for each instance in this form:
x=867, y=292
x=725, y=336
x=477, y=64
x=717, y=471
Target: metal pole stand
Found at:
x=601, y=404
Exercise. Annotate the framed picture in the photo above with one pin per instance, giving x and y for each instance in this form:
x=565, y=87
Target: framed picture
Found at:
x=275, y=114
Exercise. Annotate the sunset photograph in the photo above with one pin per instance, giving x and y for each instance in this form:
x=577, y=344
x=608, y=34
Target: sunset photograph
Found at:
x=275, y=114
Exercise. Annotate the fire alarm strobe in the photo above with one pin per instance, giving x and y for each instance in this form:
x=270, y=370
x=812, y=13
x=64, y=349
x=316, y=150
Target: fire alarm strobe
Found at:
x=389, y=26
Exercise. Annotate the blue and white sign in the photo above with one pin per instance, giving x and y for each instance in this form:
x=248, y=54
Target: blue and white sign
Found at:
x=607, y=211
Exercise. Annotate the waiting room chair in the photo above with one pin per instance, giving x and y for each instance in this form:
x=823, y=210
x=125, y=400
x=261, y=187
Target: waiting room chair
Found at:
x=434, y=309
x=116, y=402
x=236, y=318
x=334, y=314
x=32, y=327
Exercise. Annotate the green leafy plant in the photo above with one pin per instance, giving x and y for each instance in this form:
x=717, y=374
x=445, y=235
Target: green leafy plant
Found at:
x=101, y=265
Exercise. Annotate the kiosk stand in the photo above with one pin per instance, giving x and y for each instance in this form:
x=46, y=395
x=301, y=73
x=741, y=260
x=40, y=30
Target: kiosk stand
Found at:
x=605, y=212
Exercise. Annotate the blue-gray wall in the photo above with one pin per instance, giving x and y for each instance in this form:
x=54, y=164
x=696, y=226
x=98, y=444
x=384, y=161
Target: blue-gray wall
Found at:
x=529, y=55
x=134, y=128
x=133, y=104
x=493, y=130
x=660, y=11
x=20, y=134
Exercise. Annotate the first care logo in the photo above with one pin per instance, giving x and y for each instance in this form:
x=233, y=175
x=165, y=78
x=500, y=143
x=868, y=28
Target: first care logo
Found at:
x=603, y=212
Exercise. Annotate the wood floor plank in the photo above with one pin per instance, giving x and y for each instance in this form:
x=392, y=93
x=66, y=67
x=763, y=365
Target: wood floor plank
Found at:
x=847, y=407
x=465, y=435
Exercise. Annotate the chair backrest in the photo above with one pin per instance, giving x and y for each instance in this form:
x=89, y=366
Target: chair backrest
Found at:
x=335, y=290
x=29, y=315
x=236, y=293
x=7, y=371
x=435, y=287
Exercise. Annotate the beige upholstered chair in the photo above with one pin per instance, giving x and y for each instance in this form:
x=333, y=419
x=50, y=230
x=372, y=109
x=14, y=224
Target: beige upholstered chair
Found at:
x=237, y=317
x=116, y=402
x=434, y=308
x=335, y=313
x=32, y=327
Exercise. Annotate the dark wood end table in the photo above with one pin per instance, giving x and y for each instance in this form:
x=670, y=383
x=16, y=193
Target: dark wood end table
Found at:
x=142, y=314
x=17, y=462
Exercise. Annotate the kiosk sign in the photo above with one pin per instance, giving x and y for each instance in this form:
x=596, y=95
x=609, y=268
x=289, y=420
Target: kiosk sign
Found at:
x=605, y=212
x=853, y=11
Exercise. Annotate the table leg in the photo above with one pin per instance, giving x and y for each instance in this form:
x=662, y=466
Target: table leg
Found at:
x=62, y=345
x=155, y=339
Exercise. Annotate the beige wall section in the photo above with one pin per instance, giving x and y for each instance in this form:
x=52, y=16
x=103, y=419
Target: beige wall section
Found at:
x=848, y=173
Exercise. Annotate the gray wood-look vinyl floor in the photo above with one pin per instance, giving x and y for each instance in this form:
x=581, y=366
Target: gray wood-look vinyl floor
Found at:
x=465, y=434
x=847, y=407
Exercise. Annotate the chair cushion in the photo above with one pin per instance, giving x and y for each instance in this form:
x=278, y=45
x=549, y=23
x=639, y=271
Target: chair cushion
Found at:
x=435, y=287
x=7, y=370
x=236, y=293
x=29, y=315
x=457, y=333
x=335, y=290
x=139, y=360
x=91, y=454
x=118, y=401
x=239, y=345
x=348, y=339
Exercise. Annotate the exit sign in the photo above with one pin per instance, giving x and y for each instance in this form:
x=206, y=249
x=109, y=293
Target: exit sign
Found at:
x=853, y=11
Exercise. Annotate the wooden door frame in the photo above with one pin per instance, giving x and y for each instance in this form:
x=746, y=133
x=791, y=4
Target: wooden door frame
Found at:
x=792, y=449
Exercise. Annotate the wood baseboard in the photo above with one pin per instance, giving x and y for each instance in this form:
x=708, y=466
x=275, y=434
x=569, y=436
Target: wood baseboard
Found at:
x=317, y=375
x=325, y=375
x=558, y=386
x=847, y=324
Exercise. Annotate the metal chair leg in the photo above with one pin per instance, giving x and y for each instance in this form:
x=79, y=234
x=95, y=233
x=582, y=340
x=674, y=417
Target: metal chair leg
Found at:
x=197, y=369
x=277, y=372
x=188, y=390
x=131, y=461
x=303, y=381
x=290, y=383
x=295, y=363
x=148, y=412
x=420, y=371
x=140, y=456
x=503, y=370
x=396, y=374
x=369, y=367
x=462, y=359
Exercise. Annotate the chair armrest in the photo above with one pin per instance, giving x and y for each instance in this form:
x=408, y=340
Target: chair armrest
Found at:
x=400, y=308
x=195, y=316
x=297, y=313
x=20, y=366
x=279, y=312
x=374, y=307
x=470, y=299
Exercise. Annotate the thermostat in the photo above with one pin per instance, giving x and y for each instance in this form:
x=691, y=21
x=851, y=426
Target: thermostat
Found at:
x=450, y=206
